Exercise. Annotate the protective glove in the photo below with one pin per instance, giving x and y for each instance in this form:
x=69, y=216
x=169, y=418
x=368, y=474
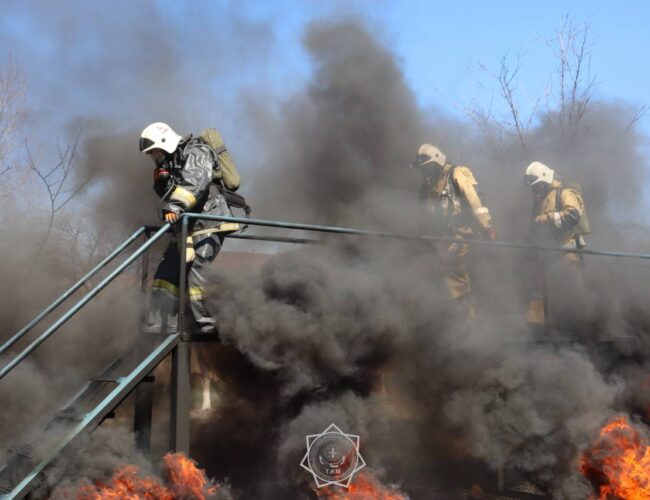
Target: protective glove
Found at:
x=170, y=217
x=541, y=219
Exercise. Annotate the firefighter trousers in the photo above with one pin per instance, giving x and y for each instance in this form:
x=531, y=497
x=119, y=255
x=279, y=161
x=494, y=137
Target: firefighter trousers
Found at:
x=564, y=282
x=457, y=278
x=164, y=297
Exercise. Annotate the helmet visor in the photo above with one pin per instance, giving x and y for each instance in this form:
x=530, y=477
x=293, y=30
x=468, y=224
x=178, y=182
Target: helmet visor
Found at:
x=531, y=179
x=420, y=160
x=145, y=143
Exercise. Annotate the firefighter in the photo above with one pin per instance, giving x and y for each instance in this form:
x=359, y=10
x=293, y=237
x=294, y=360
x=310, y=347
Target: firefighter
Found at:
x=183, y=178
x=454, y=202
x=559, y=219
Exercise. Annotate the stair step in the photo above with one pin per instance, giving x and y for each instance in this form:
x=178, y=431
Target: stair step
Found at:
x=107, y=380
x=70, y=415
x=24, y=451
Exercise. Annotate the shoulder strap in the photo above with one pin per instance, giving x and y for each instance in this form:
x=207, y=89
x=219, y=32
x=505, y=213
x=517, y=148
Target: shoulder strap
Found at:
x=451, y=182
x=214, y=151
x=235, y=199
x=558, y=197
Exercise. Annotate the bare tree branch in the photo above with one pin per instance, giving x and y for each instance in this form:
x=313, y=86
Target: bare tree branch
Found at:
x=12, y=111
x=56, y=181
x=571, y=47
x=640, y=113
x=506, y=78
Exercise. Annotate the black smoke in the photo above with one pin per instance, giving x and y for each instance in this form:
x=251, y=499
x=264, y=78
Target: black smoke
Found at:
x=362, y=333
x=327, y=328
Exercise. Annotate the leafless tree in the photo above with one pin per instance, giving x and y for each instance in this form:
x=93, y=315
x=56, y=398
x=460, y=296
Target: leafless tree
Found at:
x=506, y=77
x=640, y=113
x=86, y=240
x=570, y=93
x=572, y=49
x=12, y=110
x=59, y=181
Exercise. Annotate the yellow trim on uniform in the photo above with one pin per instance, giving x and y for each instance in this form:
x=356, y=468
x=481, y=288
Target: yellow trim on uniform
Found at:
x=189, y=250
x=187, y=199
x=223, y=227
x=194, y=292
x=166, y=285
x=205, y=231
x=229, y=226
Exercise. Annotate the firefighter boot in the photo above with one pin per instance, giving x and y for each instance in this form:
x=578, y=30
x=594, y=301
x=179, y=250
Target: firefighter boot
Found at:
x=163, y=313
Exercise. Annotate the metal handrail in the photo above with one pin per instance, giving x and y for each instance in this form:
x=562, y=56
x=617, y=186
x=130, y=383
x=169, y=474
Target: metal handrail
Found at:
x=68, y=293
x=276, y=239
x=184, y=223
x=82, y=302
x=94, y=417
x=177, y=340
x=407, y=236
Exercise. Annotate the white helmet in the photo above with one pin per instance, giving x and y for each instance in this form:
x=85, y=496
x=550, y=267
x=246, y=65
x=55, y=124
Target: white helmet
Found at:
x=429, y=155
x=538, y=172
x=159, y=136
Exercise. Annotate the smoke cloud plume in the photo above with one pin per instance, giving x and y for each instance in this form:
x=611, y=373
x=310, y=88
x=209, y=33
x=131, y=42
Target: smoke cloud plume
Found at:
x=331, y=325
x=362, y=332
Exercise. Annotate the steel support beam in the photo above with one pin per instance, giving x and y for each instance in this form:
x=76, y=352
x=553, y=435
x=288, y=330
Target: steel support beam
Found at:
x=142, y=414
x=143, y=403
x=181, y=399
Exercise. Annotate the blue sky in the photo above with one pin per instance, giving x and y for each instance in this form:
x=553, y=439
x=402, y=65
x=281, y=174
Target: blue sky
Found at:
x=440, y=44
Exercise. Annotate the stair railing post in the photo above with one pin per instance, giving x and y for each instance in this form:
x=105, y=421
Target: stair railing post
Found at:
x=181, y=397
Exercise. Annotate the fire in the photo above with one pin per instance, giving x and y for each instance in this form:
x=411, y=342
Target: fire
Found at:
x=364, y=486
x=186, y=479
x=618, y=464
x=182, y=480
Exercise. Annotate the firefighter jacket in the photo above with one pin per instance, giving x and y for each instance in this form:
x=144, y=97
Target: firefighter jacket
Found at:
x=188, y=186
x=556, y=215
x=455, y=202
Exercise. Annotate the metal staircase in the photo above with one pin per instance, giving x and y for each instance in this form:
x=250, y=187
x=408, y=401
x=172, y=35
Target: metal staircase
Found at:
x=95, y=401
x=101, y=394
x=85, y=411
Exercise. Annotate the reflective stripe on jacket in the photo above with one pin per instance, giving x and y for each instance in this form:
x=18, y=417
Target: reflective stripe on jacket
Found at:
x=190, y=187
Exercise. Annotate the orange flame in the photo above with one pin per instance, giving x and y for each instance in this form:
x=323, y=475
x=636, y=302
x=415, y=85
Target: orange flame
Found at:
x=364, y=486
x=183, y=480
x=618, y=464
x=186, y=479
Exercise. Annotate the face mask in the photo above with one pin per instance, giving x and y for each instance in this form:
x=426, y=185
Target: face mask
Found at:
x=159, y=157
x=430, y=173
x=540, y=189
